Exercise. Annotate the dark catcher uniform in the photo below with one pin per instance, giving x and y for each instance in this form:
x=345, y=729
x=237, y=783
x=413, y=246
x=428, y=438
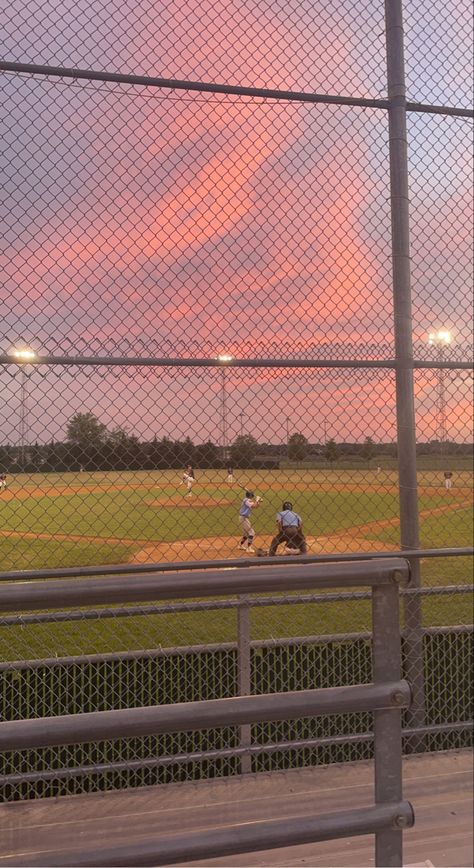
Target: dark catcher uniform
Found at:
x=290, y=531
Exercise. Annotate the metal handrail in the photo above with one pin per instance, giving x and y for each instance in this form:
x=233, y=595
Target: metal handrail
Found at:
x=240, y=563
x=19, y=596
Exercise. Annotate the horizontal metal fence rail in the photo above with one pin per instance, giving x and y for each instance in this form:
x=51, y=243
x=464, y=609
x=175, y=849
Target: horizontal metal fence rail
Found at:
x=191, y=362
x=243, y=838
x=137, y=569
x=206, y=756
x=23, y=595
x=250, y=602
x=126, y=722
x=214, y=87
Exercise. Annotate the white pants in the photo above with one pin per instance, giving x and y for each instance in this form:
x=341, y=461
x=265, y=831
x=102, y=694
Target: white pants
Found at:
x=230, y=478
x=448, y=483
x=247, y=529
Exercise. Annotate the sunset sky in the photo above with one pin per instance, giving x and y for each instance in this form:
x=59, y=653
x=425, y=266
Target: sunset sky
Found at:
x=144, y=222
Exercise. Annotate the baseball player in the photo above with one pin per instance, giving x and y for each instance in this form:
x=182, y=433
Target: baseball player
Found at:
x=3, y=481
x=290, y=531
x=249, y=502
x=448, y=480
x=230, y=475
x=188, y=479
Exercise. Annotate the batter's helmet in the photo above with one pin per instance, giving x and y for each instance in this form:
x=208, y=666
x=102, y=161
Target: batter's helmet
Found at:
x=249, y=494
x=287, y=505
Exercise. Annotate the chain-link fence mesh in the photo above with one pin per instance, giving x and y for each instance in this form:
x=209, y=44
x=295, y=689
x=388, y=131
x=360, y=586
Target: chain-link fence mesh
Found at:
x=135, y=656
x=145, y=224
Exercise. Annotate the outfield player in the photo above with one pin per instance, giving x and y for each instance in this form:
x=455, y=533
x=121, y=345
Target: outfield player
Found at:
x=290, y=530
x=249, y=502
x=448, y=480
x=188, y=479
x=230, y=474
x=3, y=481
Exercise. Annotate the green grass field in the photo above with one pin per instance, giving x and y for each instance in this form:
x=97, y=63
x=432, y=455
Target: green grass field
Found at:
x=55, y=520
x=79, y=519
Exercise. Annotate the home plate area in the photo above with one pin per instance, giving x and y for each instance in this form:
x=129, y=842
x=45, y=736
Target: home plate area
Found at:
x=227, y=548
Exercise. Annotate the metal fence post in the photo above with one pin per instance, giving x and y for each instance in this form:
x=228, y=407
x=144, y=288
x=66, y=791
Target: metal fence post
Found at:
x=386, y=663
x=406, y=423
x=244, y=675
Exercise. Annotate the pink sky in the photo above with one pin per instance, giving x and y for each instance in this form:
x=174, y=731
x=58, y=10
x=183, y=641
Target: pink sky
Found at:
x=160, y=223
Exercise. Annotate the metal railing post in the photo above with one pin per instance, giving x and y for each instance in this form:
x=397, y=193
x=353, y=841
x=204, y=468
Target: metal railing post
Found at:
x=386, y=662
x=406, y=423
x=244, y=676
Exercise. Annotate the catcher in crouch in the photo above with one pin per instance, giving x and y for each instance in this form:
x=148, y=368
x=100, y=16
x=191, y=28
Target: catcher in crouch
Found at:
x=290, y=531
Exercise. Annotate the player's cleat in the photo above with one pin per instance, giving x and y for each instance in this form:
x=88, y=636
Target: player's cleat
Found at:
x=250, y=549
x=242, y=546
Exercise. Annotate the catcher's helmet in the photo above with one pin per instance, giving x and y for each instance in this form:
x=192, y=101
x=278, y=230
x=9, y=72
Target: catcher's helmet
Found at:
x=287, y=505
x=249, y=494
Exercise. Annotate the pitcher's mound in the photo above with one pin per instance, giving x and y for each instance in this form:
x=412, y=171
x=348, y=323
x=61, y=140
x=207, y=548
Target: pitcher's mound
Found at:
x=181, y=501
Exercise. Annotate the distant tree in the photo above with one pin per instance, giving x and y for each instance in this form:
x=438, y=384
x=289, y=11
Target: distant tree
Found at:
x=5, y=458
x=206, y=455
x=368, y=449
x=36, y=459
x=331, y=451
x=243, y=450
x=84, y=430
x=122, y=451
x=166, y=452
x=86, y=443
x=298, y=447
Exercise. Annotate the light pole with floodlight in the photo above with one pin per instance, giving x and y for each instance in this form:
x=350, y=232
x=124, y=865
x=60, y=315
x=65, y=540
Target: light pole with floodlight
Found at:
x=224, y=359
x=440, y=340
x=23, y=356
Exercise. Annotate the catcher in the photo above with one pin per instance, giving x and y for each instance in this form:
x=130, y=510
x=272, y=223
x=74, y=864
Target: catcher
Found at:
x=290, y=531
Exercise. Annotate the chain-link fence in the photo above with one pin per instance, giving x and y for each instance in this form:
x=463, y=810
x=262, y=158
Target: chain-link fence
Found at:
x=205, y=293
x=143, y=655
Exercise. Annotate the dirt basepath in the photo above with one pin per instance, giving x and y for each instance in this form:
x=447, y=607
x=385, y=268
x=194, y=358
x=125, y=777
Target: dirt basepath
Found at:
x=217, y=548
x=350, y=539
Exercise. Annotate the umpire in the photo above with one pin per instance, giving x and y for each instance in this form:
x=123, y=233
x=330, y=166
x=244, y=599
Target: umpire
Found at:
x=290, y=530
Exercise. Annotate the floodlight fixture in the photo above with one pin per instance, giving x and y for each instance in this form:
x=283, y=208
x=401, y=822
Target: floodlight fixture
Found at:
x=440, y=338
x=25, y=354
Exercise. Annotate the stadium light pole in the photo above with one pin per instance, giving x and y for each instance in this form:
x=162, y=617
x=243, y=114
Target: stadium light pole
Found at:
x=440, y=340
x=224, y=359
x=23, y=355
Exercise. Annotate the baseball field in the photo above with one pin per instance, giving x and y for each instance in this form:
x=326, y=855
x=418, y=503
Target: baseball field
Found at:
x=74, y=519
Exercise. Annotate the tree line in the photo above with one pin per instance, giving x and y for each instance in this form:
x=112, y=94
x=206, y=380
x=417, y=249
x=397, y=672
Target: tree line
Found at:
x=91, y=446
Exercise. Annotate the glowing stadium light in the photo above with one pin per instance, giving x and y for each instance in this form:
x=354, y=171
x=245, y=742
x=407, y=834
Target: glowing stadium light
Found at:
x=24, y=354
x=223, y=359
x=441, y=338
